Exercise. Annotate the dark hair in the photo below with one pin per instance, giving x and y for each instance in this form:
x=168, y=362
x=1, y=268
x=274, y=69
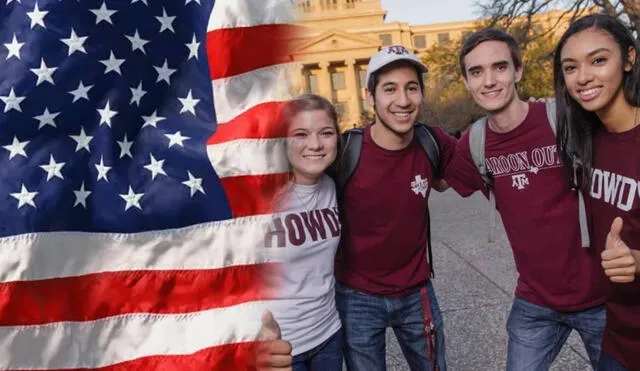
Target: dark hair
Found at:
x=575, y=124
x=489, y=34
x=313, y=102
x=375, y=77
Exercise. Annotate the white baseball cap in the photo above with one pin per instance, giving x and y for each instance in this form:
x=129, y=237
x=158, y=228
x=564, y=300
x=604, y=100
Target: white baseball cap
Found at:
x=390, y=54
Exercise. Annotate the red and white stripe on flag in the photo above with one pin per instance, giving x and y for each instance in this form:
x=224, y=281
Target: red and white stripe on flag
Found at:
x=183, y=299
x=250, y=86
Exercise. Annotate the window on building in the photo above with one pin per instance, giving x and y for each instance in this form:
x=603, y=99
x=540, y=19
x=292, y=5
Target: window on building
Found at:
x=312, y=83
x=337, y=81
x=305, y=5
x=342, y=108
x=330, y=4
x=362, y=78
x=443, y=38
x=420, y=41
x=386, y=39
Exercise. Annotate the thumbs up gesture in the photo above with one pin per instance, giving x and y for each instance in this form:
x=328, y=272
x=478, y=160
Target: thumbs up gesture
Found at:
x=618, y=260
x=273, y=353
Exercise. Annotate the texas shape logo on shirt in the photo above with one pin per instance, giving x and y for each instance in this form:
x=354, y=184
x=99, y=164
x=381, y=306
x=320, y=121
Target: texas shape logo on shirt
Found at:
x=420, y=186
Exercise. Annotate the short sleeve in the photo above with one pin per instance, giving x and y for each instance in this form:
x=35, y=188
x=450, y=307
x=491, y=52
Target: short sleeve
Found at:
x=446, y=144
x=460, y=172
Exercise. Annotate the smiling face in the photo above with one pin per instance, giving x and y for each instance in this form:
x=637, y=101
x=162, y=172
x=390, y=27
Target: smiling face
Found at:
x=397, y=98
x=592, y=67
x=491, y=76
x=312, y=145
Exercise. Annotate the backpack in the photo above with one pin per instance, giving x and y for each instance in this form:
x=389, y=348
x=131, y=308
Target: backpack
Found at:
x=477, y=146
x=353, y=139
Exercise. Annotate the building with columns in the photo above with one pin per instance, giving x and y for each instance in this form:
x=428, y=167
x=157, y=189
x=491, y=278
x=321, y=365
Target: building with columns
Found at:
x=341, y=36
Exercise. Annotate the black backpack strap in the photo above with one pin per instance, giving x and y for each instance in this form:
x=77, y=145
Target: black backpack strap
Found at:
x=352, y=140
x=431, y=147
x=432, y=272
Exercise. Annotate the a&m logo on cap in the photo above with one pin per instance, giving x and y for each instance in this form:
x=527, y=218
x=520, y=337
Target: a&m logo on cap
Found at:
x=398, y=49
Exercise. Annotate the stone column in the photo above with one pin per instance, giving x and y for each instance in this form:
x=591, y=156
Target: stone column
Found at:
x=303, y=85
x=354, y=93
x=324, y=80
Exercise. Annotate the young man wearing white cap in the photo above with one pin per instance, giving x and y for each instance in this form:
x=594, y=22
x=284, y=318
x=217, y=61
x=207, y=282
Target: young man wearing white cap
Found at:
x=382, y=271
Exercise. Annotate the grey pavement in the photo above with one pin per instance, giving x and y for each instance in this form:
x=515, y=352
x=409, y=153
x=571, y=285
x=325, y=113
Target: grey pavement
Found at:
x=474, y=282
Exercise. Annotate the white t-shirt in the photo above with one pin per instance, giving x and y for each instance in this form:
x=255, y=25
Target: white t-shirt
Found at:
x=304, y=237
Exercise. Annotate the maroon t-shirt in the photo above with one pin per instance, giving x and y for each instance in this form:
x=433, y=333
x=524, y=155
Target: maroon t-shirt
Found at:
x=384, y=223
x=539, y=212
x=615, y=191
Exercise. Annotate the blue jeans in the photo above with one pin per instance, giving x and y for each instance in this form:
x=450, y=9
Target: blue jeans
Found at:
x=325, y=357
x=536, y=334
x=607, y=363
x=366, y=317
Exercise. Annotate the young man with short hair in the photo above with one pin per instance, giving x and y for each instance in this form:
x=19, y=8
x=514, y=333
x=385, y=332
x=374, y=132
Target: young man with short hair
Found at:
x=382, y=270
x=560, y=285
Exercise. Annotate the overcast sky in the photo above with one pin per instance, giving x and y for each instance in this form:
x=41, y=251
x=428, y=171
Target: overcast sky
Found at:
x=429, y=11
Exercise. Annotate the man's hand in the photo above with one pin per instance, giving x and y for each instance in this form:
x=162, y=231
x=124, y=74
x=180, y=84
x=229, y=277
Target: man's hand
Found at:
x=618, y=260
x=273, y=352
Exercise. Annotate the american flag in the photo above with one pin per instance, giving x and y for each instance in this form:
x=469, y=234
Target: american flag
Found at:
x=138, y=154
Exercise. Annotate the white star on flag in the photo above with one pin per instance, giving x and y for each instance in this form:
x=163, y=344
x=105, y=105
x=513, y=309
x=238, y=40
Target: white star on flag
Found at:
x=155, y=167
x=53, y=168
x=25, y=197
x=137, y=94
x=16, y=148
x=112, y=64
x=137, y=42
x=75, y=43
x=125, y=147
x=164, y=72
x=106, y=114
x=47, y=118
x=13, y=47
x=37, y=16
x=132, y=199
x=189, y=103
x=166, y=22
x=193, y=48
x=102, y=169
x=82, y=140
x=103, y=14
x=81, y=92
x=11, y=101
x=194, y=184
x=152, y=120
x=176, y=138
x=44, y=73
x=81, y=196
